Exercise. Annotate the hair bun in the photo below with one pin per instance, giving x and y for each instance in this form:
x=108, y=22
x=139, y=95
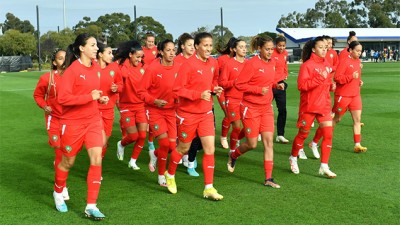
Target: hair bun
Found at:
x=352, y=33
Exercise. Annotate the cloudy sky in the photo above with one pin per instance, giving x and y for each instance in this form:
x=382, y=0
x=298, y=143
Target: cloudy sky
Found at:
x=242, y=17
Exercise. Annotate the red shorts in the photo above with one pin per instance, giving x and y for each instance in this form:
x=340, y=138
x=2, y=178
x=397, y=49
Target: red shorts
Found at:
x=107, y=116
x=130, y=118
x=306, y=119
x=257, y=119
x=74, y=136
x=343, y=103
x=190, y=124
x=233, y=108
x=162, y=121
x=53, y=130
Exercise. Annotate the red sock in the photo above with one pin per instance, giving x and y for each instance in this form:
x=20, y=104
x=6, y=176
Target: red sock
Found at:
x=318, y=135
x=234, y=137
x=137, y=149
x=357, y=138
x=93, y=183
x=236, y=154
x=241, y=134
x=174, y=162
x=151, y=137
x=225, y=127
x=104, y=150
x=326, y=145
x=60, y=180
x=298, y=142
x=208, y=168
x=162, y=155
x=129, y=138
x=58, y=152
x=268, y=167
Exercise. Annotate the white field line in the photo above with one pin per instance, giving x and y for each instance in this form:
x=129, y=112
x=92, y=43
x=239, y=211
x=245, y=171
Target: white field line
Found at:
x=16, y=90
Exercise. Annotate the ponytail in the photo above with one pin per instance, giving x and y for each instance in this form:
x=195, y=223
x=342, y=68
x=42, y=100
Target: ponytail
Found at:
x=308, y=46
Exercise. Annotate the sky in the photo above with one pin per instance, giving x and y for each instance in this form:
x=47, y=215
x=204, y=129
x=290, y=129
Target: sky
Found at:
x=242, y=17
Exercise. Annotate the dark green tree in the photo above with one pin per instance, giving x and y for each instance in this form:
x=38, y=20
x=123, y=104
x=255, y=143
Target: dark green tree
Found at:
x=146, y=24
x=14, y=23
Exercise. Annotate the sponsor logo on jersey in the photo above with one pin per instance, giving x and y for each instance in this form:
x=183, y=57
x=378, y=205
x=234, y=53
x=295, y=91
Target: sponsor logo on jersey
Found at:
x=159, y=75
x=200, y=72
x=82, y=76
x=176, y=74
x=261, y=70
x=235, y=68
x=212, y=69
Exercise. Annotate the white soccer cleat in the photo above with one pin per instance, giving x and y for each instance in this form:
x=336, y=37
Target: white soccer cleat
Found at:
x=185, y=160
x=133, y=165
x=224, y=142
x=162, y=181
x=302, y=154
x=282, y=139
x=65, y=194
x=120, y=151
x=153, y=161
x=326, y=172
x=293, y=165
x=314, y=149
x=59, y=202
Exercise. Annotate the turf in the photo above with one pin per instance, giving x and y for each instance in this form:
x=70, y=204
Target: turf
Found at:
x=366, y=190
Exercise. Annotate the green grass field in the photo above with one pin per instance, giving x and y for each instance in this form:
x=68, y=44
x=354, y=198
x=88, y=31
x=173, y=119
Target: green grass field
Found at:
x=366, y=191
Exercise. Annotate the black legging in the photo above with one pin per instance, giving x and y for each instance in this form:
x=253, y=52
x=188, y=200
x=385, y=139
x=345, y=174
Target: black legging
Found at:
x=280, y=99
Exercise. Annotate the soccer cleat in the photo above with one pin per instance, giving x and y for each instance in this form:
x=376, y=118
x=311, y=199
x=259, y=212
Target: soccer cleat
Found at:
x=60, y=203
x=282, y=139
x=362, y=124
x=120, y=151
x=259, y=137
x=94, y=213
x=153, y=161
x=151, y=146
x=185, y=160
x=224, y=142
x=195, y=163
x=302, y=154
x=359, y=149
x=271, y=183
x=327, y=173
x=293, y=165
x=162, y=181
x=65, y=194
x=231, y=164
x=192, y=172
x=314, y=149
x=212, y=194
x=171, y=185
x=133, y=165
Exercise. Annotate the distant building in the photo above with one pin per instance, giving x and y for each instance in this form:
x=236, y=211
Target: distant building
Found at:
x=371, y=38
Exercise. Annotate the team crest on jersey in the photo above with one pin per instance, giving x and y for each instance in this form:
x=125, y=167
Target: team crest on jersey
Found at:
x=212, y=69
x=331, y=55
x=184, y=135
x=303, y=122
x=233, y=114
x=248, y=130
x=339, y=109
x=112, y=73
x=156, y=127
x=68, y=148
x=154, y=52
x=54, y=137
x=142, y=71
x=98, y=74
x=127, y=119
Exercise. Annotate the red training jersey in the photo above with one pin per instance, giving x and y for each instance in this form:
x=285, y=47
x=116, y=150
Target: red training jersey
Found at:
x=255, y=75
x=346, y=85
x=180, y=59
x=281, y=67
x=344, y=54
x=110, y=75
x=131, y=77
x=41, y=90
x=313, y=87
x=332, y=58
x=75, y=94
x=222, y=60
x=194, y=77
x=149, y=54
x=157, y=83
x=228, y=77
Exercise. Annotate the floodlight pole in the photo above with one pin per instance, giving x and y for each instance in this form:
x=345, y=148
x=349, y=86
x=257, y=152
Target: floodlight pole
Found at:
x=134, y=22
x=38, y=38
x=222, y=26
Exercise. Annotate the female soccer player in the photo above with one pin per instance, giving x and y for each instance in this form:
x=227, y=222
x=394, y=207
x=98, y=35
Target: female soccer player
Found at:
x=227, y=80
x=195, y=82
x=131, y=107
x=347, y=94
x=256, y=81
x=184, y=52
x=45, y=95
x=110, y=85
x=81, y=121
x=226, y=54
x=156, y=91
x=281, y=74
x=344, y=54
x=149, y=48
x=314, y=83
